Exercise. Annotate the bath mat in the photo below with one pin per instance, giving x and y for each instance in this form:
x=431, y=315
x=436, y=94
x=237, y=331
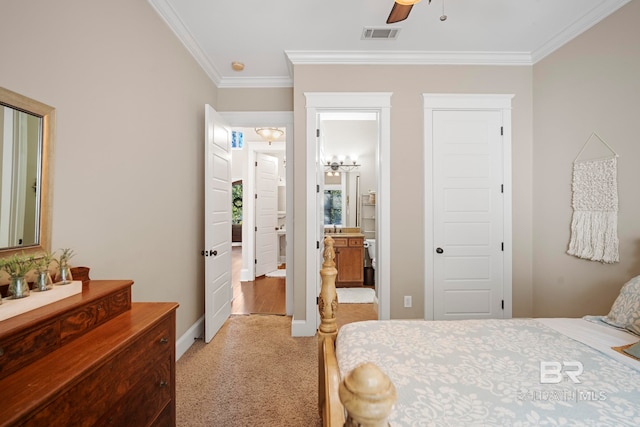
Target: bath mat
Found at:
x=355, y=295
x=277, y=273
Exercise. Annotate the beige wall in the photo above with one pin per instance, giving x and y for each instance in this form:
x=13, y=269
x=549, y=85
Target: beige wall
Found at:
x=407, y=169
x=592, y=84
x=128, y=187
x=255, y=99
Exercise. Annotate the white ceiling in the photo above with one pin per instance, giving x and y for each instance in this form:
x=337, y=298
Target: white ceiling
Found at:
x=270, y=35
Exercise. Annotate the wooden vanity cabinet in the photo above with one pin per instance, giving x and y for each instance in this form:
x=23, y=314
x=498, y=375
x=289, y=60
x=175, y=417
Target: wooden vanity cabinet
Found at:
x=349, y=261
x=119, y=370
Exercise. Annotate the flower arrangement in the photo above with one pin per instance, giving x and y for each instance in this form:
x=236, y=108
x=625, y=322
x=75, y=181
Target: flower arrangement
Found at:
x=65, y=256
x=42, y=264
x=64, y=276
x=18, y=265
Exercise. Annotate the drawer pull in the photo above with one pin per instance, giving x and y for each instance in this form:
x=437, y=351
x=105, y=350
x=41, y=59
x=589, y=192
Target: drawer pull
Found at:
x=163, y=384
x=164, y=340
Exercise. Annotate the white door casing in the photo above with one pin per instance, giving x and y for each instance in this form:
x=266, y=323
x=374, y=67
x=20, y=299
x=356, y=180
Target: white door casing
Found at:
x=317, y=102
x=467, y=206
x=266, y=214
x=217, y=235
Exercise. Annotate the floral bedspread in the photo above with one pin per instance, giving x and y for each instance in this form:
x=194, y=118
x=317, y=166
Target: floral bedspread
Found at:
x=515, y=372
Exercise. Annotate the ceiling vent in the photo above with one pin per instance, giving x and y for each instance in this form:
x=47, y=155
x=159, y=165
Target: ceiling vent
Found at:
x=380, y=33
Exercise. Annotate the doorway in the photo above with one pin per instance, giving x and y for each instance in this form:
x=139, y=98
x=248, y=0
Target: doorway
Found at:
x=319, y=104
x=244, y=167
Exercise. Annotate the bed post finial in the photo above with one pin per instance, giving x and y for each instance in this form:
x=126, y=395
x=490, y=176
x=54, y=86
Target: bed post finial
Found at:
x=328, y=298
x=368, y=396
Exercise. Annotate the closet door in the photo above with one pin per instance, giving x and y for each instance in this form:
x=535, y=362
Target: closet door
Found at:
x=468, y=211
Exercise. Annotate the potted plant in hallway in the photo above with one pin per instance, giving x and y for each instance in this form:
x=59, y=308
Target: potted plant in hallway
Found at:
x=17, y=267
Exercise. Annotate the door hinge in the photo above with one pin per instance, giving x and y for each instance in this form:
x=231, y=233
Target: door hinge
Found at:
x=255, y=261
x=317, y=244
x=503, y=304
x=501, y=130
x=256, y=164
x=256, y=195
x=502, y=188
x=317, y=188
x=317, y=133
x=502, y=246
x=256, y=228
x=317, y=300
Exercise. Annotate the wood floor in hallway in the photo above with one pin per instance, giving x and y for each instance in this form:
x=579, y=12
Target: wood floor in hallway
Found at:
x=267, y=295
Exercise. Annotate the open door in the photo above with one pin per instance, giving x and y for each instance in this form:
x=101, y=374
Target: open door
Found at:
x=217, y=227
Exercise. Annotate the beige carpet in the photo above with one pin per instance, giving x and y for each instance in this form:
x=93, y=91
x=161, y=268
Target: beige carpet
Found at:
x=253, y=373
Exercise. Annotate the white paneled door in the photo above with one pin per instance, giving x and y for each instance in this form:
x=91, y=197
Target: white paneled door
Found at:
x=266, y=258
x=468, y=218
x=217, y=227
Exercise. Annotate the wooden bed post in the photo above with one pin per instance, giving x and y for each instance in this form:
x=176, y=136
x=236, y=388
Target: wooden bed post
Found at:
x=368, y=395
x=328, y=298
x=328, y=401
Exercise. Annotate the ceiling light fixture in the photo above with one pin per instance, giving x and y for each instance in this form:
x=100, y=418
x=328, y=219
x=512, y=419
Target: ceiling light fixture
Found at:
x=443, y=17
x=269, y=134
x=407, y=2
x=237, y=66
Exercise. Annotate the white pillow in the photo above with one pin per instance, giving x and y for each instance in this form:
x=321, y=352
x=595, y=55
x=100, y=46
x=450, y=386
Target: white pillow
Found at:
x=625, y=311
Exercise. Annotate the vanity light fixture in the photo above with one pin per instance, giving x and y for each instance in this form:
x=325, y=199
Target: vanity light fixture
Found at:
x=341, y=164
x=269, y=134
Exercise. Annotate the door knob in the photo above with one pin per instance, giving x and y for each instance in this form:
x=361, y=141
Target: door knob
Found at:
x=439, y=250
x=214, y=253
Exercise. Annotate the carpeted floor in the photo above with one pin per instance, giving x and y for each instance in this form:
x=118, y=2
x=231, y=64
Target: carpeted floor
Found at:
x=253, y=373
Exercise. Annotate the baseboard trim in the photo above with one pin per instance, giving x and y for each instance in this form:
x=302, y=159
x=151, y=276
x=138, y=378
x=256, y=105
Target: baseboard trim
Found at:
x=302, y=328
x=196, y=331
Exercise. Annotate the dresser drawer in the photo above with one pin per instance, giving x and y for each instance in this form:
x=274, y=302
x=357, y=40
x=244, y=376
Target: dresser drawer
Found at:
x=146, y=363
x=356, y=241
x=146, y=401
x=18, y=351
x=91, y=315
x=340, y=242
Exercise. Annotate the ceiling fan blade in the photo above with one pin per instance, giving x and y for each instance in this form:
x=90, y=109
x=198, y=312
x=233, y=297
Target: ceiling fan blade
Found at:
x=399, y=12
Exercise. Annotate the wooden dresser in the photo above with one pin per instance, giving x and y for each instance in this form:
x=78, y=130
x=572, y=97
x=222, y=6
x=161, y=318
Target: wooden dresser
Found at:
x=94, y=358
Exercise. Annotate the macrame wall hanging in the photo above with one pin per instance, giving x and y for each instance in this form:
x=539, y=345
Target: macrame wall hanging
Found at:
x=594, y=226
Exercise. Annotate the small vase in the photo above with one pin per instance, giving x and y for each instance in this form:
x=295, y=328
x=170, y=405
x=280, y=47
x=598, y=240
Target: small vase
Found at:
x=64, y=275
x=18, y=287
x=43, y=281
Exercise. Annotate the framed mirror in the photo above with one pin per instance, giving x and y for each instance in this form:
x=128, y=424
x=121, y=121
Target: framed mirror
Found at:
x=27, y=129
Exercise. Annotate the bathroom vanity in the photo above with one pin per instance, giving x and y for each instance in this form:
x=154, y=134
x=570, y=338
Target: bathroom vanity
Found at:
x=349, y=249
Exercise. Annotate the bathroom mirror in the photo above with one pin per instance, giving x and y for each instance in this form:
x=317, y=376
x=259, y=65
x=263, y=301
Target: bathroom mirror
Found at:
x=341, y=194
x=26, y=146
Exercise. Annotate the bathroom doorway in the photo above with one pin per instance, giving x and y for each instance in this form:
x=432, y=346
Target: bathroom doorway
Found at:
x=321, y=106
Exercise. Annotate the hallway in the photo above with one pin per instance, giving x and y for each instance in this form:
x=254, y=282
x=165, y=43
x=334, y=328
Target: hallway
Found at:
x=265, y=295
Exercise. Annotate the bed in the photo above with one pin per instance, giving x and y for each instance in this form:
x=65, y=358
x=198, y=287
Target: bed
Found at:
x=479, y=372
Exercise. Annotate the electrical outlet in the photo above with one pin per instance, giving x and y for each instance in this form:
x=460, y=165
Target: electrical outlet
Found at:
x=407, y=301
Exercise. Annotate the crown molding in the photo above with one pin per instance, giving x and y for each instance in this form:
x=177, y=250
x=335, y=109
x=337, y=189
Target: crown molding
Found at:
x=169, y=15
x=255, y=82
x=579, y=26
x=299, y=57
